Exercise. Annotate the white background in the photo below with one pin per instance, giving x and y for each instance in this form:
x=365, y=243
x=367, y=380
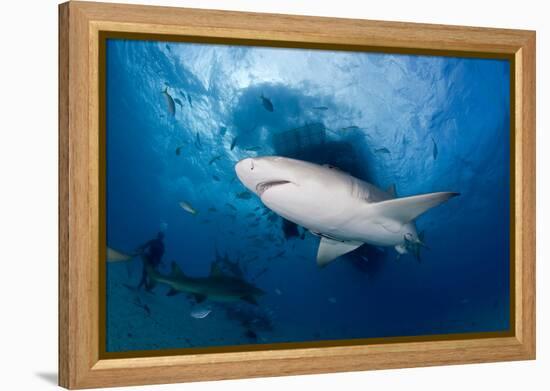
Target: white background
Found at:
x=28, y=194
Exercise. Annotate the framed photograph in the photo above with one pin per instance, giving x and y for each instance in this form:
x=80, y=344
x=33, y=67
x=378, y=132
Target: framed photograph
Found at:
x=247, y=195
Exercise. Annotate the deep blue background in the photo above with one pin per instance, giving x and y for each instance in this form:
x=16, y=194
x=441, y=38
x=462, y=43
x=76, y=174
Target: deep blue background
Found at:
x=399, y=103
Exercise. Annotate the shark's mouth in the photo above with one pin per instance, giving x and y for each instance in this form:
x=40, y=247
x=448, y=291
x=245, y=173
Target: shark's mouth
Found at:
x=262, y=187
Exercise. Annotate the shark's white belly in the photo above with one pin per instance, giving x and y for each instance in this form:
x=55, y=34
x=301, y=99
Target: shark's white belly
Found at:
x=334, y=215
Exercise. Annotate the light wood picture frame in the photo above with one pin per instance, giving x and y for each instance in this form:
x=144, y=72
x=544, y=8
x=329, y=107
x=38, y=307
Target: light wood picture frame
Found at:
x=82, y=25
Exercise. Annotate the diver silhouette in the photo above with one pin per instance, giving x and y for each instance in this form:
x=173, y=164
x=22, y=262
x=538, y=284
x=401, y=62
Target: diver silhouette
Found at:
x=151, y=254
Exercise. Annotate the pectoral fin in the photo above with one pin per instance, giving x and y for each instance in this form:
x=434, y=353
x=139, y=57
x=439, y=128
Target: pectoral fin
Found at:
x=330, y=249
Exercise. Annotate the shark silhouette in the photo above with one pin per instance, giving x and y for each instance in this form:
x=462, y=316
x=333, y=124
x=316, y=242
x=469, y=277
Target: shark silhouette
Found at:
x=217, y=286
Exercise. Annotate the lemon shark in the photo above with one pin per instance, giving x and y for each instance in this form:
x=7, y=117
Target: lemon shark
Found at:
x=344, y=211
x=218, y=286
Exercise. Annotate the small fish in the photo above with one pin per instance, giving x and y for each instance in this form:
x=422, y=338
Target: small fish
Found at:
x=353, y=127
x=279, y=254
x=189, y=99
x=212, y=209
x=117, y=256
x=382, y=150
x=169, y=102
x=278, y=292
x=200, y=312
x=216, y=178
x=214, y=159
x=434, y=149
x=187, y=207
x=231, y=206
x=267, y=103
x=178, y=102
x=257, y=208
x=178, y=150
x=244, y=195
x=168, y=48
x=272, y=218
x=266, y=211
x=332, y=300
x=250, y=214
x=253, y=149
x=223, y=129
x=322, y=108
x=205, y=221
x=233, y=143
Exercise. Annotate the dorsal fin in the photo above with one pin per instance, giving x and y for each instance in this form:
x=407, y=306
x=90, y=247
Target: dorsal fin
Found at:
x=176, y=271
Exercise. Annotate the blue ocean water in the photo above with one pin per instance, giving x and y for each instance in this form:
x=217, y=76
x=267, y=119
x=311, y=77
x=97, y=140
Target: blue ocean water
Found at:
x=421, y=123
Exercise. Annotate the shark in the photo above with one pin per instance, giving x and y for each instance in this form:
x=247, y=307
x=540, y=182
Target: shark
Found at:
x=344, y=211
x=218, y=286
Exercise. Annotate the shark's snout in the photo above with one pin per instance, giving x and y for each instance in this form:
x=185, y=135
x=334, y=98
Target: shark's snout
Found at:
x=243, y=166
x=245, y=172
x=261, y=174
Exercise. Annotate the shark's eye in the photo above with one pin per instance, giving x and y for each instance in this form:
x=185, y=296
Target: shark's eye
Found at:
x=252, y=165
